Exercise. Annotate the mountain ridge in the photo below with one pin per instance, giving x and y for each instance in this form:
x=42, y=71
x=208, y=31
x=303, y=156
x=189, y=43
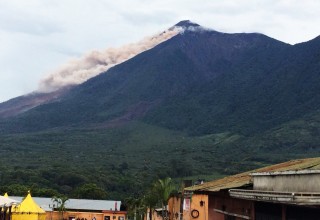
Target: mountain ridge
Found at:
x=225, y=47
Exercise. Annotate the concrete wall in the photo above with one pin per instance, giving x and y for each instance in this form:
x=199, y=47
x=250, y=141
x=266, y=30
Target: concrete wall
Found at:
x=198, y=204
x=288, y=183
x=174, y=205
x=218, y=201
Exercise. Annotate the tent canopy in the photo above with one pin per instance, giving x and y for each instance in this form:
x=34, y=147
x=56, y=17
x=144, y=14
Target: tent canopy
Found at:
x=28, y=205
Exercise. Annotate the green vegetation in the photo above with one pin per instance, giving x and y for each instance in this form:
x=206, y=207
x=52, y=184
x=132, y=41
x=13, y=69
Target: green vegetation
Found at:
x=55, y=160
x=157, y=195
x=116, y=162
x=60, y=202
x=163, y=189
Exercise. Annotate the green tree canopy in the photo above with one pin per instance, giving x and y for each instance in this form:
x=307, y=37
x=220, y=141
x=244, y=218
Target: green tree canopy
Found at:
x=90, y=191
x=163, y=188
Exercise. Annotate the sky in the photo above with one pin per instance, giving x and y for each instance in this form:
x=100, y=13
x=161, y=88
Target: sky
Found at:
x=37, y=37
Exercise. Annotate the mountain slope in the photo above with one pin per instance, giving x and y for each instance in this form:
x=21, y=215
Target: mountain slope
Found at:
x=272, y=88
x=21, y=104
x=202, y=102
x=185, y=62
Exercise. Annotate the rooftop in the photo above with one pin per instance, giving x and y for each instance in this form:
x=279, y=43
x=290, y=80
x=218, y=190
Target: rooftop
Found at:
x=283, y=173
x=76, y=204
x=244, y=179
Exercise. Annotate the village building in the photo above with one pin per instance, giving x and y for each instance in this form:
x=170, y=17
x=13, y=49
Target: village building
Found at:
x=75, y=209
x=286, y=191
x=6, y=205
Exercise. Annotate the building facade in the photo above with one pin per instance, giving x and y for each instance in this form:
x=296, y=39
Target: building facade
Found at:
x=286, y=191
x=80, y=209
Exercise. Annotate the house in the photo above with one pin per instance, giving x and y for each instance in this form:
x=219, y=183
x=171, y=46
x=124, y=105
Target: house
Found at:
x=289, y=190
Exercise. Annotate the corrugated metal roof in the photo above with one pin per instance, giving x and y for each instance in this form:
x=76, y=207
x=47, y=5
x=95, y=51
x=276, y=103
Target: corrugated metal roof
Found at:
x=286, y=173
x=76, y=204
x=243, y=179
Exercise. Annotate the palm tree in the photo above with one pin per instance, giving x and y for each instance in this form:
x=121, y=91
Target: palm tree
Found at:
x=150, y=201
x=60, y=204
x=133, y=205
x=163, y=188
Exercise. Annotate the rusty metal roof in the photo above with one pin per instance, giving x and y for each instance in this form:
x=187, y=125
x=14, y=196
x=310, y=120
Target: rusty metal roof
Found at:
x=243, y=179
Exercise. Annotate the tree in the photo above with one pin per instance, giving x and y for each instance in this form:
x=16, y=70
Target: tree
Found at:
x=60, y=204
x=134, y=206
x=15, y=189
x=90, y=191
x=151, y=199
x=163, y=188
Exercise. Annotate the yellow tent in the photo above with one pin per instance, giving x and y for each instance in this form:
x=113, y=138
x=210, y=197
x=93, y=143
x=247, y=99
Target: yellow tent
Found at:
x=28, y=210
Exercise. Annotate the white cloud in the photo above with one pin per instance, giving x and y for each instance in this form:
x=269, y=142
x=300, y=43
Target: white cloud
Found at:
x=37, y=36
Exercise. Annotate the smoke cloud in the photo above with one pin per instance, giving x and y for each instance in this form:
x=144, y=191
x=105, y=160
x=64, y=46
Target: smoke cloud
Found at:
x=77, y=71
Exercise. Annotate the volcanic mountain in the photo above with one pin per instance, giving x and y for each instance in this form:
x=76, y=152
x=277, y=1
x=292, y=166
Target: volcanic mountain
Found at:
x=153, y=85
x=202, y=101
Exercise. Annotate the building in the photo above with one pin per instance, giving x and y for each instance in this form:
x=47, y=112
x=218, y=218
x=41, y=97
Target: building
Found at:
x=6, y=205
x=80, y=209
x=286, y=191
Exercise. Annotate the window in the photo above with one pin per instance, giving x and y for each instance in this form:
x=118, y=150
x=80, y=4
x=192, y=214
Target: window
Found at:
x=229, y=217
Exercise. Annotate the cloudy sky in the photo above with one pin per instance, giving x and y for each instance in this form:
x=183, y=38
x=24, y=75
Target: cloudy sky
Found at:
x=38, y=36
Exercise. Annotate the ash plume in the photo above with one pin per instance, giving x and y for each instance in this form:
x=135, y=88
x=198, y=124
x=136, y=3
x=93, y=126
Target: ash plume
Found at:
x=79, y=70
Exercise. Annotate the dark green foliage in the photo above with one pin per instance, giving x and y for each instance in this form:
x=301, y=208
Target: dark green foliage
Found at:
x=68, y=165
x=21, y=190
x=89, y=191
